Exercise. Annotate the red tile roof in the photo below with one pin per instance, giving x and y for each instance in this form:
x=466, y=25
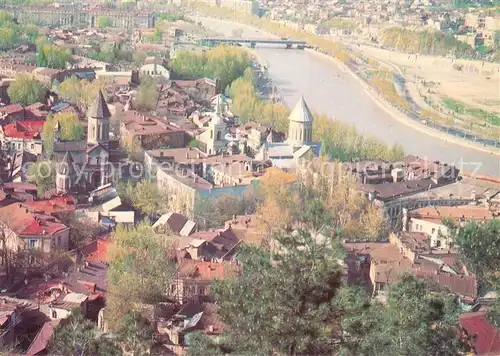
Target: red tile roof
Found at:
x=11, y=109
x=27, y=130
x=457, y=284
x=43, y=337
x=22, y=222
x=204, y=270
x=53, y=205
x=485, y=338
x=96, y=251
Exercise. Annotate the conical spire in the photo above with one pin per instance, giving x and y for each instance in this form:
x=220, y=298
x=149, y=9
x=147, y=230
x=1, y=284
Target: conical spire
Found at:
x=65, y=167
x=99, y=108
x=301, y=112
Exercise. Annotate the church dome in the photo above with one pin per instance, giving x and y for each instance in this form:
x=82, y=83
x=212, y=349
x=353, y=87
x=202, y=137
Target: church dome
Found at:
x=301, y=112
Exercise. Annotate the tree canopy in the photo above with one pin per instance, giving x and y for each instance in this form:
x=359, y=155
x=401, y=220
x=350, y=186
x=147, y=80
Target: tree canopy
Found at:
x=104, y=22
x=71, y=129
x=147, y=95
x=140, y=269
x=143, y=195
x=80, y=92
x=43, y=174
x=79, y=336
x=479, y=246
x=51, y=56
x=224, y=63
x=26, y=90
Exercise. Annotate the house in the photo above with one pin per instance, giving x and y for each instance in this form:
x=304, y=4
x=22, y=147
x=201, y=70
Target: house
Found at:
x=61, y=309
x=42, y=339
x=202, y=89
x=256, y=134
x=53, y=206
x=175, y=223
x=155, y=70
x=193, y=278
x=480, y=334
x=21, y=136
x=149, y=132
x=12, y=112
x=11, y=315
x=431, y=220
x=31, y=232
x=380, y=265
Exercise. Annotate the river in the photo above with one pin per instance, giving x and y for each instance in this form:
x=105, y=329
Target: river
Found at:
x=329, y=90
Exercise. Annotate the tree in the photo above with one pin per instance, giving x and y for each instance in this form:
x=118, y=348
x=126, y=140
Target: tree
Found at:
x=282, y=302
x=140, y=269
x=80, y=92
x=157, y=36
x=79, y=336
x=104, y=22
x=26, y=90
x=479, y=247
x=413, y=321
x=51, y=56
x=138, y=58
x=82, y=230
x=147, y=95
x=43, y=174
x=71, y=129
x=135, y=334
x=146, y=197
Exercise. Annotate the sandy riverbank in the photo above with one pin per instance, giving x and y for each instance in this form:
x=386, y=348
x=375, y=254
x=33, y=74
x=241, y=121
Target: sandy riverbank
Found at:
x=397, y=115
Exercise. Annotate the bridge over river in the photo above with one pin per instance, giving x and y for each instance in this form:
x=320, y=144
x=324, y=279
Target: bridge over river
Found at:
x=214, y=41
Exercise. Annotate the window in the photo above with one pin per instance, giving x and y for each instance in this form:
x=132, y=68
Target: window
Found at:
x=438, y=243
x=32, y=146
x=433, y=231
x=54, y=314
x=218, y=135
x=31, y=260
x=201, y=290
x=58, y=241
x=32, y=243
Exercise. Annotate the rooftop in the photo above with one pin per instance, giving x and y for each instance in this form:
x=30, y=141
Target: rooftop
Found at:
x=301, y=112
x=141, y=125
x=24, y=223
x=457, y=213
x=61, y=204
x=204, y=270
x=485, y=338
x=11, y=109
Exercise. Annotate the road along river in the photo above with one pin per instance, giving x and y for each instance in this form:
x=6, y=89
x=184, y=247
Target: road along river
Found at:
x=328, y=89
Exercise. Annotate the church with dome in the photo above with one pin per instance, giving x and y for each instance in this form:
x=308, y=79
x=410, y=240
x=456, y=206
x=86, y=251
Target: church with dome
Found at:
x=83, y=165
x=299, y=142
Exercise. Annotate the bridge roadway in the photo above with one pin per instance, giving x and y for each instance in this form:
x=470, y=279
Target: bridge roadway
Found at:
x=213, y=41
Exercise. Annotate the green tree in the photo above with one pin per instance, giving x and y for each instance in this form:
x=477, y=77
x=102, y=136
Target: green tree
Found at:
x=104, y=22
x=49, y=55
x=138, y=58
x=146, y=197
x=157, y=36
x=43, y=174
x=135, y=334
x=141, y=266
x=147, y=95
x=222, y=63
x=413, y=321
x=283, y=302
x=479, y=246
x=26, y=90
x=80, y=92
x=71, y=129
x=80, y=337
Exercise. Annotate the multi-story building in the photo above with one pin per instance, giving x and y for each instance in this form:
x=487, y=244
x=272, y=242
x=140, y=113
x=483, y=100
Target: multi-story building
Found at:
x=35, y=234
x=22, y=136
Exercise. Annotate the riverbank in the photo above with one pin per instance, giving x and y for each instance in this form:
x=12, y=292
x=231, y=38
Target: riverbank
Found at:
x=397, y=115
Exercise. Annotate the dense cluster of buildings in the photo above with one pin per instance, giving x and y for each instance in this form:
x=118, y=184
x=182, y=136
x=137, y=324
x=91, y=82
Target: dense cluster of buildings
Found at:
x=193, y=148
